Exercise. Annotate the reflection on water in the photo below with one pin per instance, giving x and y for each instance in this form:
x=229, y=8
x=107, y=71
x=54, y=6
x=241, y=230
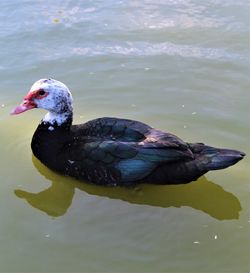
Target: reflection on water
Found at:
x=202, y=195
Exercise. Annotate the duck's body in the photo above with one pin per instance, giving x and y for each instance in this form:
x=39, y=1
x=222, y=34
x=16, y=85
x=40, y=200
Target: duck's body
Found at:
x=112, y=151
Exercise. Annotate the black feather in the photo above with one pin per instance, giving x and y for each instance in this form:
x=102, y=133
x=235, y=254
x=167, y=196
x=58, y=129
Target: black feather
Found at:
x=112, y=151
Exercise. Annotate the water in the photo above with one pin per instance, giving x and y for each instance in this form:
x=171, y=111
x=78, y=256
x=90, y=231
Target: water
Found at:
x=181, y=66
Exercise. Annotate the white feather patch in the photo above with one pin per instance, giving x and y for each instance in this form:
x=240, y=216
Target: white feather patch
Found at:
x=51, y=128
x=53, y=118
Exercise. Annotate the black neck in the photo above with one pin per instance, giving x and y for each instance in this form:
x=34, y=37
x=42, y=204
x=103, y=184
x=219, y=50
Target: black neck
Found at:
x=48, y=141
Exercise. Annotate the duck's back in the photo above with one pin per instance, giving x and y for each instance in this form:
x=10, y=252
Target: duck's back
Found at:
x=112, y=129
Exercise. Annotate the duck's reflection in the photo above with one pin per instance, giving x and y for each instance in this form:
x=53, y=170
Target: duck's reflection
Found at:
x=202, y=195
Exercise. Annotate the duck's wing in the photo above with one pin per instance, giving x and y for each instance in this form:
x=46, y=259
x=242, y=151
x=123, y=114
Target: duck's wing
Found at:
x=96, y=161
x=118, y=162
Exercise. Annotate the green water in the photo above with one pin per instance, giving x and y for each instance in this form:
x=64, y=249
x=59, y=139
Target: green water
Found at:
x=181, y=66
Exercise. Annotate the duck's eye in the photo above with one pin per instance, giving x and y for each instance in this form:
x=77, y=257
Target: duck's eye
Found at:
x=41, y=93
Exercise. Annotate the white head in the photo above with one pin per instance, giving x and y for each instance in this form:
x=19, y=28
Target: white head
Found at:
x=51, y=95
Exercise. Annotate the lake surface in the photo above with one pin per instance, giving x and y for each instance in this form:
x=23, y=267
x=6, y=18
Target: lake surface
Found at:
x=181, y=66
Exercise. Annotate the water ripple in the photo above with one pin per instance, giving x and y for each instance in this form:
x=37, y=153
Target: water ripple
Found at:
x=144, y=49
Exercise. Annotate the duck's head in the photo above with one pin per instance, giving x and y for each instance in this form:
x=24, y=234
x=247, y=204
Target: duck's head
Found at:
x=48, y=94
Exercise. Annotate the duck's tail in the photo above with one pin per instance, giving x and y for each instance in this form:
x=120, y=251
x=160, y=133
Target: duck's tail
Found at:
x=205, y=159
x=215, y=158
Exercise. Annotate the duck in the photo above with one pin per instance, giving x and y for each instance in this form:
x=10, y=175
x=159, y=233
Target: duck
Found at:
x=114, y=151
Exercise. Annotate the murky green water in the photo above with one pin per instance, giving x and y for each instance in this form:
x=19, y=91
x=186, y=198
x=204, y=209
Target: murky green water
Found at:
x=181, y=66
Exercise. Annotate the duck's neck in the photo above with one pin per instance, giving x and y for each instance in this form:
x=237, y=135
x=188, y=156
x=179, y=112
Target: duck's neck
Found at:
x=49, y=138
x=55, y=119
